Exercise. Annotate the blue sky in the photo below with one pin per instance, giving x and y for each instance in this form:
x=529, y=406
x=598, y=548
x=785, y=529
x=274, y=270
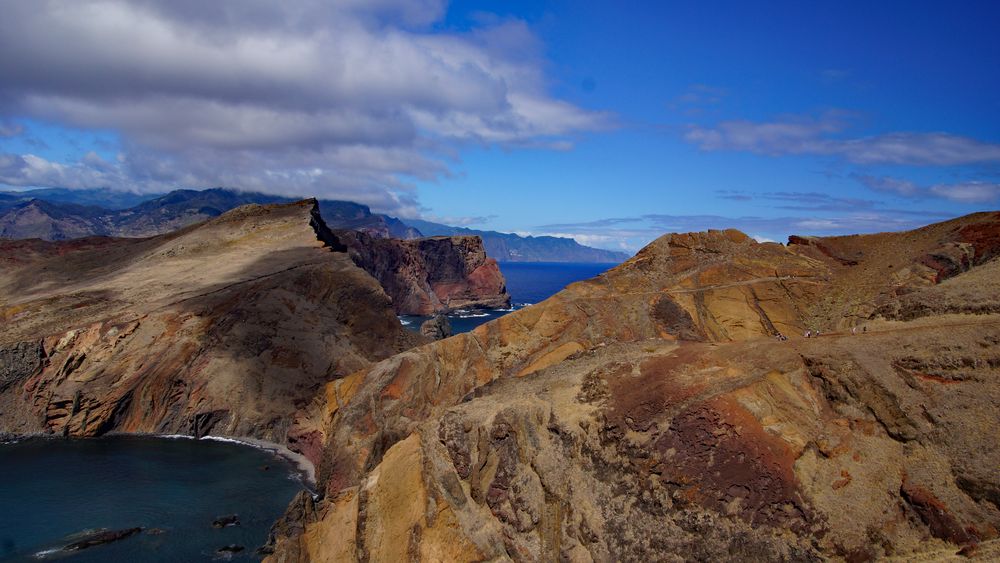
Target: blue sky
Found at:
x=611, y=122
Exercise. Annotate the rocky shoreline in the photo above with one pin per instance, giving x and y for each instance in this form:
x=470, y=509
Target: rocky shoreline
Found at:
x=305, y=468
x=673, y=405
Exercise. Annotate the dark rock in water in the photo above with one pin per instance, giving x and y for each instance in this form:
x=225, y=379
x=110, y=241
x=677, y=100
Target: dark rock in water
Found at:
x=437, y=328
x=226, y=521
x=101, y=538
x=230, y=549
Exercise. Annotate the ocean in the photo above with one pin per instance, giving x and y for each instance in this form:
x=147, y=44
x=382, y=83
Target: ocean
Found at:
x=52, y=491
x=527, y=282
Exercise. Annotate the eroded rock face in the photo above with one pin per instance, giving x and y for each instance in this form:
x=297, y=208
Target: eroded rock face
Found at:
x=223, y=328
x=430, y=275
x=19, y=361
x=648, y=414
x=651, y=414
x=436, y=328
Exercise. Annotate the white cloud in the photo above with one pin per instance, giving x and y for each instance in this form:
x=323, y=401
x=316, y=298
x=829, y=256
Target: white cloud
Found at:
x=635, y=232
x=889, y=185
x=968, y=192
x=337, y=97
x=962, y=192
x=799, y=135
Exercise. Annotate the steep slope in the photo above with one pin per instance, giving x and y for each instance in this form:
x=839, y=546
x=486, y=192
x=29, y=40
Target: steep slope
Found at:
x=430, y=275
x=508, y=247
x=225, y=327
x=650, y=414
x=871, y=272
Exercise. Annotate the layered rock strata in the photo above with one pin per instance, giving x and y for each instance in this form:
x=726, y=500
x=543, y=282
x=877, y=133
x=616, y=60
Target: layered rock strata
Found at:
x=430, y=275
x=653, y=414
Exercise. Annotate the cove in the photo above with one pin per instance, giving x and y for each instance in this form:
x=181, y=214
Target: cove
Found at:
x=55, y=491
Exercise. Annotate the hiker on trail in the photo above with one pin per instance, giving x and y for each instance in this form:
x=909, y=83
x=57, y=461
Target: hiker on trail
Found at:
x=865, y=329
x=809, y=334
x=854, y=330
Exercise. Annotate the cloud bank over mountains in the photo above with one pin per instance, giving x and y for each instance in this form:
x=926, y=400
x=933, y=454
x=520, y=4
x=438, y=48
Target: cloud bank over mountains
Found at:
x=346, y=99
x=375, y=100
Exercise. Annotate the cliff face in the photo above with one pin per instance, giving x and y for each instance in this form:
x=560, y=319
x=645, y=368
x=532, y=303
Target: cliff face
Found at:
x=650, y=414
x=225, y=328
x=430, y=275
x=509, y=247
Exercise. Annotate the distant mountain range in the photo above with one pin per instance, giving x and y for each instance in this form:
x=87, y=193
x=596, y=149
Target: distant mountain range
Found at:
x=57, y=215
x=507, y=247
x=89, y=197
x=60, y=214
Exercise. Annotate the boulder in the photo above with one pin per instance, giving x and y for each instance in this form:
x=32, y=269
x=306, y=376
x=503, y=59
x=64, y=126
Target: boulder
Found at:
x=436, y=328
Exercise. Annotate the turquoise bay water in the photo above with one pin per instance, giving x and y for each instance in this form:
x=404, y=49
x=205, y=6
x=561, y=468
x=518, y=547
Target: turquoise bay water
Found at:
x=527, y=282
x=52, y=490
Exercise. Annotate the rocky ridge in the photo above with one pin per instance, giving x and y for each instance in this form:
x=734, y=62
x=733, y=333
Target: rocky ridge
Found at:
x=226, y=327
x=56, y=214
x=652, y=414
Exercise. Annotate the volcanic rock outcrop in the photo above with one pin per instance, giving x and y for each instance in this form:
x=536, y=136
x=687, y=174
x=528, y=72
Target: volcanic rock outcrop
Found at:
x=430, y=275
x=226, y=327
x=652, y=413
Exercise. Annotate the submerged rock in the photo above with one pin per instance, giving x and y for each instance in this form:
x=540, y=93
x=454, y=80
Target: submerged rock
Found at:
x=226, y=521
x=101, y=538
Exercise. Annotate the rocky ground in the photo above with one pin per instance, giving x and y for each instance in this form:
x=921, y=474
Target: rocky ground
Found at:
x=225, y=328
x=653, y=414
